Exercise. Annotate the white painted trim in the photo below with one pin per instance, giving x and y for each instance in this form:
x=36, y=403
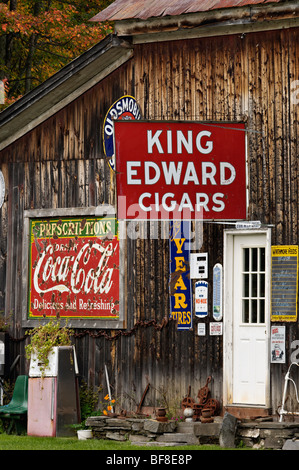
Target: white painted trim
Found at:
x=228, y=245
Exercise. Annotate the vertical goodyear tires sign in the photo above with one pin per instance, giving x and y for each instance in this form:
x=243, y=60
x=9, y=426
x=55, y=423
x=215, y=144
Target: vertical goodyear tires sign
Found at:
x=180, y=282
x=125, y=108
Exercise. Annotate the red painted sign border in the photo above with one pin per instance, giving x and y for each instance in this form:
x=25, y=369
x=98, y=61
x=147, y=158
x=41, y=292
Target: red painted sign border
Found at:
x=167, y=170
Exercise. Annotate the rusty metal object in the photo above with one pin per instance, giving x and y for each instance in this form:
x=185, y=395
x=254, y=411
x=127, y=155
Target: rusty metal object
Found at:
x=123, y=414
x=205, y=402
x=206, y=420
x=204, y=392
x=197, y=408
x=206, y=415
x=161, y=415
x=138, y=411
x=213, y=405
x=206, y=412
x=188, y=402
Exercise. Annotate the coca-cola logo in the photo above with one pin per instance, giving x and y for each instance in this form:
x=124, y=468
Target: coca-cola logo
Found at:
x=74, y=275
x=69, y=273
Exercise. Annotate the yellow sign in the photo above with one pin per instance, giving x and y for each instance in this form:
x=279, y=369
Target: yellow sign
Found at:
x=284, y=283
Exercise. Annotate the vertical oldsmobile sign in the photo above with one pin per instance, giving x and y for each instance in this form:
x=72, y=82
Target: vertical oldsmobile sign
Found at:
x=74, y=268
x=179, y=171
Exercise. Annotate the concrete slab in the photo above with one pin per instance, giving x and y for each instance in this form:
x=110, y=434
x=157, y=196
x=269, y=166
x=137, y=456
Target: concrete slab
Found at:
x=291, y=444
x=178, y=437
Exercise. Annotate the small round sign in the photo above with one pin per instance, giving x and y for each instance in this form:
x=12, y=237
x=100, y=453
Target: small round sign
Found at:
x=125, y=107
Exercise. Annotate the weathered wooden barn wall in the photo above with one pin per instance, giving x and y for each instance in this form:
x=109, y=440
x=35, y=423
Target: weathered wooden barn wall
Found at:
x=61, y=164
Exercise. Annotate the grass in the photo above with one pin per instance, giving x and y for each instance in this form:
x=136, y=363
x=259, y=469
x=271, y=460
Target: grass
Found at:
x=14, y=442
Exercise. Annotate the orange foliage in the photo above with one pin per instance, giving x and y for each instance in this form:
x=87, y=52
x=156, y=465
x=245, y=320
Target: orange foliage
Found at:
x=43, y=36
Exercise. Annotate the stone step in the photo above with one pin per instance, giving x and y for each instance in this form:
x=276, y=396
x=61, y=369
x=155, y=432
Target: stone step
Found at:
x=178, y=437
x=184, y=427
x=199, y=429
x=160, y=444
x=140, y=440
x=291, y=444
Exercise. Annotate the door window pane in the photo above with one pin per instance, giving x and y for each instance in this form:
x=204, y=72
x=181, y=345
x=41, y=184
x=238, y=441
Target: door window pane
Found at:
x=254, y=254
x=262, y=259
x=254, y=311
x=262, y=310
x=246, y=259
x=245, y=318
x=253, y=292
x=254, y=279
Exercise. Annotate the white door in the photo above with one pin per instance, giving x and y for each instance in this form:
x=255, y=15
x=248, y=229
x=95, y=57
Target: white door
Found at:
x=249, y=319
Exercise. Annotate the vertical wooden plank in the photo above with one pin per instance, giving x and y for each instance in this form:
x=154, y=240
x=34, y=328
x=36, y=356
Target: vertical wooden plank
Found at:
x=294, y=127
x=238, y=113
x=197, y=82
x=3, y=239
x=223, y=79
x=264, y=128
x=278, y=140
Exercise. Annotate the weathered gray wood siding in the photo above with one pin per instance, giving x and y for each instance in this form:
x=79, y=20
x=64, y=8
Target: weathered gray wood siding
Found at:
x=60, y=163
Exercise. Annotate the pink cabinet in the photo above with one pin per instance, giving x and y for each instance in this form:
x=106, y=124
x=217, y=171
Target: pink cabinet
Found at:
x=53, y=400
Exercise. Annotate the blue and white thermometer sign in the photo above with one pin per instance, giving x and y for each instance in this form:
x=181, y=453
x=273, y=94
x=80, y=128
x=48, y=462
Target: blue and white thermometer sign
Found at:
x=217, y=292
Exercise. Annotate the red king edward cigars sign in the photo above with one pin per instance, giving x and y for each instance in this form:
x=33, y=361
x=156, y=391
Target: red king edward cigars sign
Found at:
x=74, y=268
x=180, y=170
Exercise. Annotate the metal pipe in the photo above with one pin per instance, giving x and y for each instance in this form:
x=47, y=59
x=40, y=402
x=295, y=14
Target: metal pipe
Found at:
x=108, y=386
x=287, y=378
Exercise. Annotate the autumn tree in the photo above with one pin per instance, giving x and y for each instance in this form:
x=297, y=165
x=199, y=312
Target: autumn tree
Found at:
x=38, y=37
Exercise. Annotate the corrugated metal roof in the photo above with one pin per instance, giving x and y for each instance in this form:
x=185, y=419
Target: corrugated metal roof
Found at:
x=144, y=9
